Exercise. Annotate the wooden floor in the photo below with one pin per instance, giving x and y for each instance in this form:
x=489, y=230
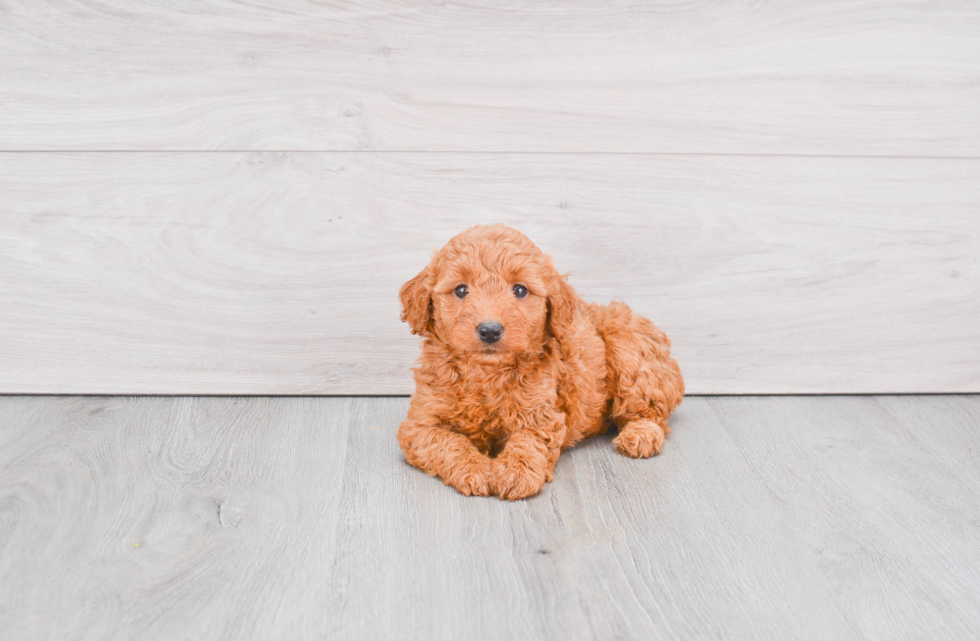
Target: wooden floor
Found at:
x=850, y=517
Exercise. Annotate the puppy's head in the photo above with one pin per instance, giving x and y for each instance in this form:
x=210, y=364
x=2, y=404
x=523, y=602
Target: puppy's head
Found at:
x=489, y=294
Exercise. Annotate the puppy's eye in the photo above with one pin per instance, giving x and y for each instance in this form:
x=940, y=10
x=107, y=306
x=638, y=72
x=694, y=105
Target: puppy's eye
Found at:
x=520, y=291
x=461, y=291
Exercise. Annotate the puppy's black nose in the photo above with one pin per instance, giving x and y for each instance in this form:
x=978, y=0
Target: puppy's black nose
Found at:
x=489, y=332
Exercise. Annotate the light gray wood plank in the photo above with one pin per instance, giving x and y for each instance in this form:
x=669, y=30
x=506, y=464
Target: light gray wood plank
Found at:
x=840, y=77
x=171, y=518
x=949, y=424
x=890, y=518
x=686, y=545
x=257, y=273
x=787, y=517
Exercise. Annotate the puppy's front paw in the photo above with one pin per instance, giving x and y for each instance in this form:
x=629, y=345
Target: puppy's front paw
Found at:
x=641, y=438
x=473, y=480
x=511, y=481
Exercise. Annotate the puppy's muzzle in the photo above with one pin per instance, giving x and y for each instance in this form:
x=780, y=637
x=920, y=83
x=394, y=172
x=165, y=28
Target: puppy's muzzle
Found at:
x=489, y=332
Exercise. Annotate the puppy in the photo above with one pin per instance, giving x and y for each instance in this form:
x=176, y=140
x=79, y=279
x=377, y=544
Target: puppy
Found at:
x=515, y=367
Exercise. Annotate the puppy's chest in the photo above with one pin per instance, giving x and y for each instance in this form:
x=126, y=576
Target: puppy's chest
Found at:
x=478, y=411
x=483, y=411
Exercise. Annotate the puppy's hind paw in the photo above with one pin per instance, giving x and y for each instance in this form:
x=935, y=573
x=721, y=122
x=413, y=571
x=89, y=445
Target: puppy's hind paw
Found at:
x=641, y=438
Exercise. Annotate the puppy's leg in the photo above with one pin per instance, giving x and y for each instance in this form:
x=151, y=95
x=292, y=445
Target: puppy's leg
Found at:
x=646, y=383
x=528, y=459
x=437, y=451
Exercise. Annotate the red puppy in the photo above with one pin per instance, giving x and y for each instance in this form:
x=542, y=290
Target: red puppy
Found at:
x=515, y=367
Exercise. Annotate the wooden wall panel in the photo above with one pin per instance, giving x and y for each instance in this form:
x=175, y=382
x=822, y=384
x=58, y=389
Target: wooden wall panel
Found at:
x=223, y=197
x=278, y=273
x=773, y=77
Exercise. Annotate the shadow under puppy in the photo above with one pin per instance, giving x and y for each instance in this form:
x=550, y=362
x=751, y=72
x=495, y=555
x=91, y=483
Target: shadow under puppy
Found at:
x=515, y=367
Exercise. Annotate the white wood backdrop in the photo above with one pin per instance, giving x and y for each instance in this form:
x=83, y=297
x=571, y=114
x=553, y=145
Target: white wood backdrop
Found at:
x=224, y=197
x=777, y=76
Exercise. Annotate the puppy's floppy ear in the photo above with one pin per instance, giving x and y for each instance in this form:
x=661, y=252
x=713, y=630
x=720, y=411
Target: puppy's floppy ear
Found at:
x=416, y=297
x=562, y=303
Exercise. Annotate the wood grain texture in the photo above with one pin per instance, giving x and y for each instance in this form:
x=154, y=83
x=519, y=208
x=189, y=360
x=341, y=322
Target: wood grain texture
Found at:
x=774, y=77
x=886, y=515
x=260, y=273
x=786, y=518
x=167, y=518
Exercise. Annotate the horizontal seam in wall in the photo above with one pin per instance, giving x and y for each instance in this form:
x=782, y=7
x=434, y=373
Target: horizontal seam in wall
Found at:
x=482, y=153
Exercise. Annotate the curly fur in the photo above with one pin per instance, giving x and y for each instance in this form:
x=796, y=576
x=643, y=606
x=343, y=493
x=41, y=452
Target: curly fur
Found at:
x=493, y=419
